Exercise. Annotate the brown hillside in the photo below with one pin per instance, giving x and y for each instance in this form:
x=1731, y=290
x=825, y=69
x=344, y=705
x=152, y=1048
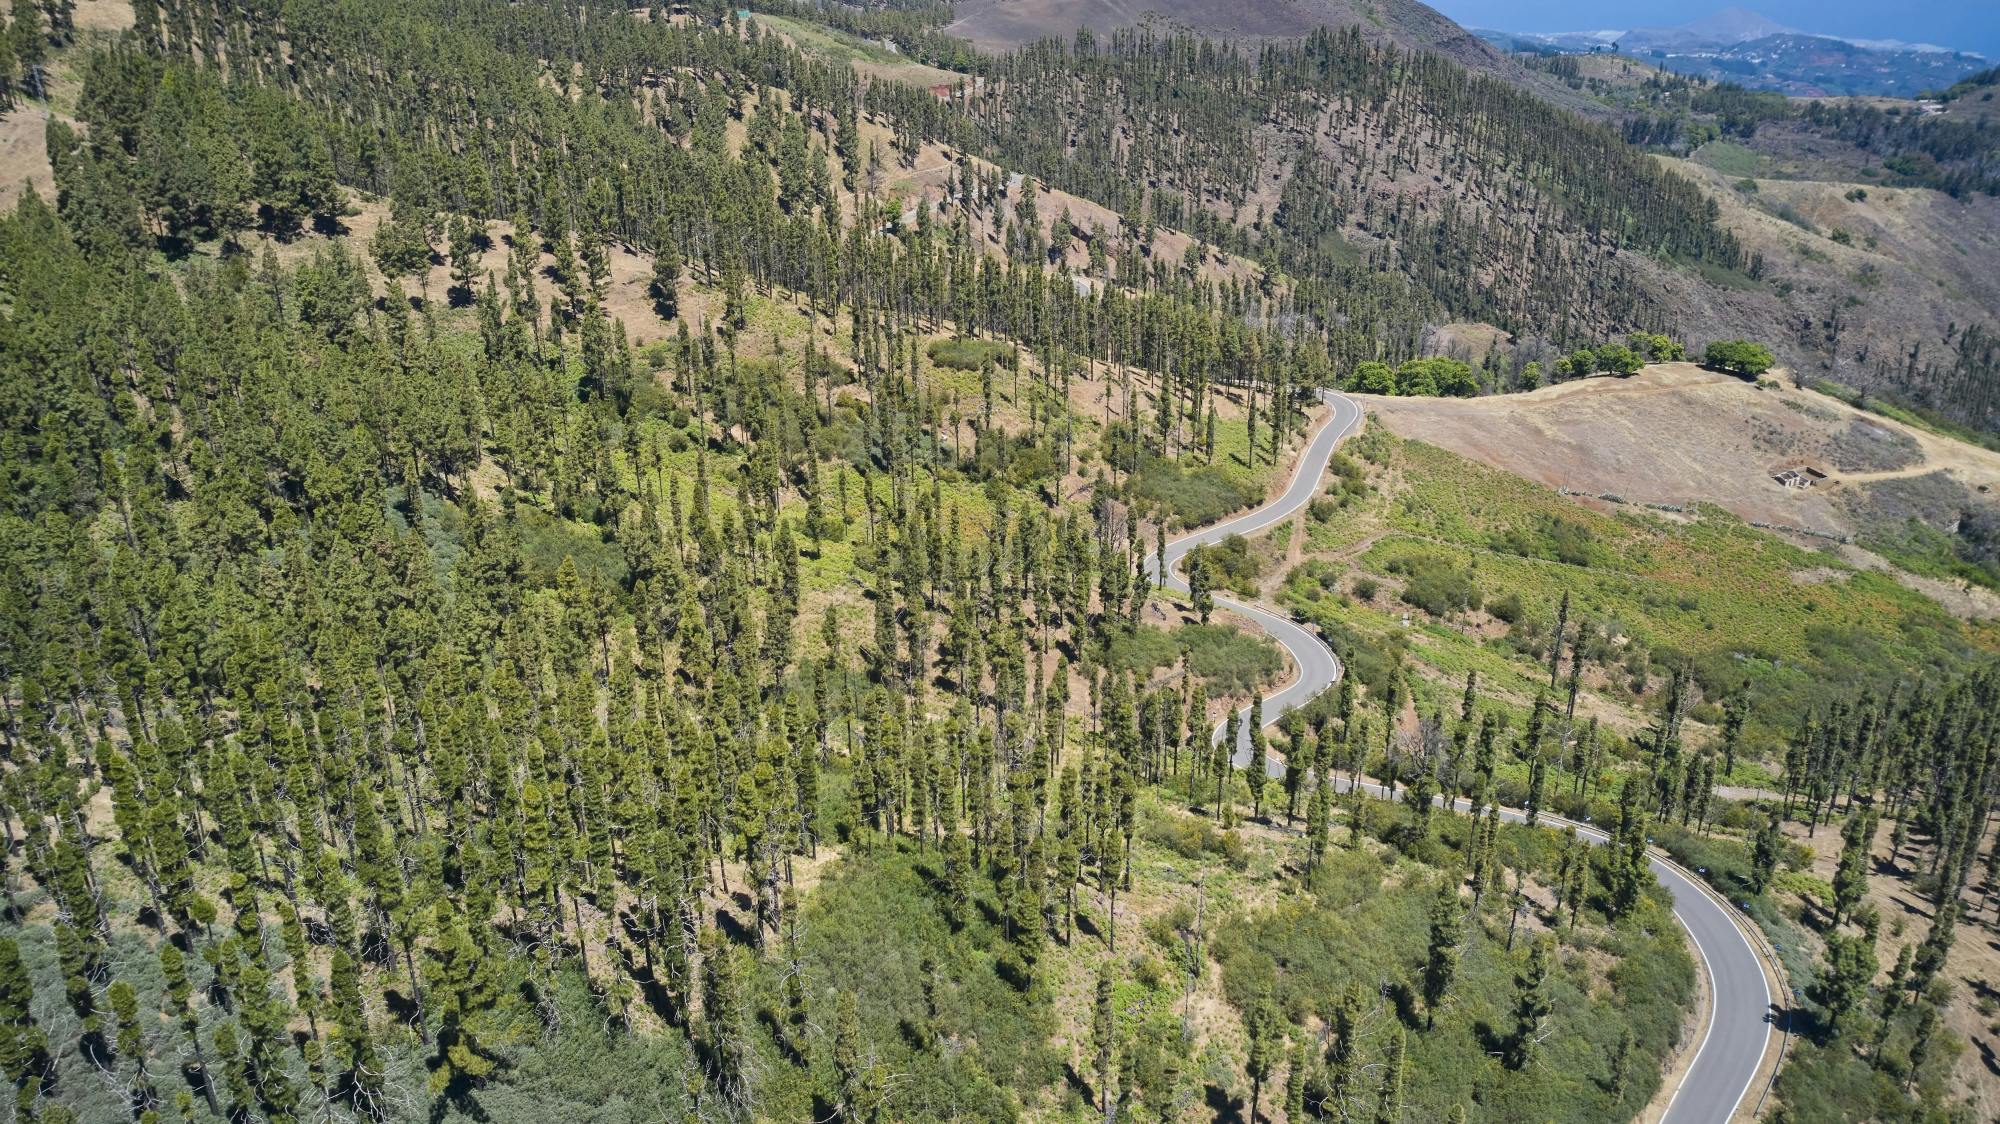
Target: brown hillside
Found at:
x=1676, y=434
x=1000, y=24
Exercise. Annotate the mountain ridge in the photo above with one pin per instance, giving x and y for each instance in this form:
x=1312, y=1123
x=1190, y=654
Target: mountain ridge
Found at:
x=1003, y=24
x=1741, y=46
x=1729, y=27
x=998, y=26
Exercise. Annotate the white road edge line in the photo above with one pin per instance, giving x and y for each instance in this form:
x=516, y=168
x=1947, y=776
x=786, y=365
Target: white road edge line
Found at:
x=1708, y=1031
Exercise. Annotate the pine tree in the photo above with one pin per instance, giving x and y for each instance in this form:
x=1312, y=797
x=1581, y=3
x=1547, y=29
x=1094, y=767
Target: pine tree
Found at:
x=175, y=1001
x=860, y=1094
x=1266, y=1027
x=124, y=1003
x=1889, y=1001
x=77, y=957
x=1259, y=772
x=1200, y=585
x=1556, y=641
x=1395, y=1070
x=1319, y=820
x=24, y=1048
x=1223, y=751
x=237, y=1082
x=1850, y=878
x=665, y=284
x=353, y=1047
x=1931, y=954
x=1764, y=855
x=401, y=249
x=462, y=244
x=1627, y=874
x=465, y=990
x=1441, y=962
x=29, y=46
x=1531, y=1006
x=263, y=1016
x=1343, y=1057
x=1733, y=714
x=1921, y=1040
x=1843, y=984
x=723, y=1032
x=1104, y=1035
x=1297, y=1074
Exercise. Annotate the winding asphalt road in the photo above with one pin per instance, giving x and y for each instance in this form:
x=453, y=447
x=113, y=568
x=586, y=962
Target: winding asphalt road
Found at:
x=1731, y=1047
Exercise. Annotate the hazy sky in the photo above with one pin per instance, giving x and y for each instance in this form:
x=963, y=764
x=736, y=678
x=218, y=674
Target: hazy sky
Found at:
x=1968, y=25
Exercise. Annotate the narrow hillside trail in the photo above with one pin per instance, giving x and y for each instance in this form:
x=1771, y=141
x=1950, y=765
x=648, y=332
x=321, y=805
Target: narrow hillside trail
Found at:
x=1729, y=1053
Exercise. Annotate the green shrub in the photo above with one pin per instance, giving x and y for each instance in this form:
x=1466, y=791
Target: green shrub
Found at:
x=1739, y=357
x=968, y=354
x=1192, y=837
x=1230, y=660
x=1188, y=498
x=1224, y=659
x=545, y=542
x=1435, y=585
x=1229, y=563
x=1371, y=378
x=1724, y=862
x=1142, y=649
x=873, y=930
x=1436, y=376
x=1428, y=377
x=1353, y=932
x=1830, y=1081
x=1017, y=459
x=1551, y=537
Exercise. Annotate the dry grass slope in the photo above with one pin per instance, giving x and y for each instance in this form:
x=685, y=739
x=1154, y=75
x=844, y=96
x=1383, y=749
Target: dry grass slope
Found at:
x=1676, y=433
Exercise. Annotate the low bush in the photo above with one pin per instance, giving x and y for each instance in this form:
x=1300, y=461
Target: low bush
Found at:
x=1724, y=862
x=1142, y=649
x=969, y=354
x=1187, y=497
x=1192, y=837
x=1229, y=660
x=1352, y=934
x=1416, y=378
x=1019, y=460
x=1229, y=563
x=1738, y=357
x=1226, y=660
x=1550, y=537
x=891, y=902
x=1436, y=586
x=1831, y=1083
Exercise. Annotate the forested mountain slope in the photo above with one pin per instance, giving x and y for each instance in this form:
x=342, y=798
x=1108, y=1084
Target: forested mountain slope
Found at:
x=1387, y=188
x=1497, y=207
x=418, y=700
x=420, y=703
